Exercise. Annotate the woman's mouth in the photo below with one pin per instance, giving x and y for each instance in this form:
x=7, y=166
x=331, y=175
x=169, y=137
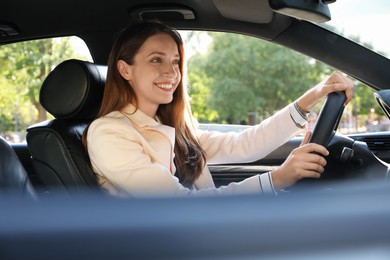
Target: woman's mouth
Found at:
x=165, y=85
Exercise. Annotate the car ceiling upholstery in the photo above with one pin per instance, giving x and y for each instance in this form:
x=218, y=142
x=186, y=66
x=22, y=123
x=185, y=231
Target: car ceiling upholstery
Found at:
x=98, y=20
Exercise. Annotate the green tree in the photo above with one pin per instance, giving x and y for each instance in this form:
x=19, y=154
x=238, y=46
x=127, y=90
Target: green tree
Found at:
x=199, y=91
x=244, y=74
x=7, y=105
x=24, y=67
x=364, y=99
x=199, y=82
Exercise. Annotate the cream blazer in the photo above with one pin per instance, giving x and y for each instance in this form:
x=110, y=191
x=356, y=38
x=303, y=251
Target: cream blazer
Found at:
x=132, y=154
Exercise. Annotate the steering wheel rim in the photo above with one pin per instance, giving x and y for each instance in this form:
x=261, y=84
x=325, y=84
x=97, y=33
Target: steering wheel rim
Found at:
x=324, y=132
x=328, y=119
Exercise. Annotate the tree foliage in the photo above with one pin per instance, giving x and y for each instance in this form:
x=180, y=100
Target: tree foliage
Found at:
x=241, y=74
x=24, y=67
x=237, y=75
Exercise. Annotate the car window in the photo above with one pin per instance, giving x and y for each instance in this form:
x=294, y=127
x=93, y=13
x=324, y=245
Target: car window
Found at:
x=234, y=81
x=362, y=22
x=24, y=66
x=241, y=80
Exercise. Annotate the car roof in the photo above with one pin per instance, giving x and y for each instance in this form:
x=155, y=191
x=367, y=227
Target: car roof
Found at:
x=97, y=21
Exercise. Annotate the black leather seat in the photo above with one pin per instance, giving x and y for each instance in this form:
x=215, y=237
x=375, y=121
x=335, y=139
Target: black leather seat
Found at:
x=13, y=177
x=72, y=93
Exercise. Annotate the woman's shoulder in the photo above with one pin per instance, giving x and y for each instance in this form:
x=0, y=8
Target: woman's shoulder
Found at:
x=112, y=117
x=113, y=121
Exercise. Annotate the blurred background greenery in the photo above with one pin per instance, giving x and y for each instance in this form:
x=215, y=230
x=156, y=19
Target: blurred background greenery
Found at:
x=233, y=79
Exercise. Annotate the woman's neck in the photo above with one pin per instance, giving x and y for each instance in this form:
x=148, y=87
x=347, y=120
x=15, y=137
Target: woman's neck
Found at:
x=149, y=111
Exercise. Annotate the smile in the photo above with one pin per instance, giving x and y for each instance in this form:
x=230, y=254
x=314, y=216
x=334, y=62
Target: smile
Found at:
x=165, y=86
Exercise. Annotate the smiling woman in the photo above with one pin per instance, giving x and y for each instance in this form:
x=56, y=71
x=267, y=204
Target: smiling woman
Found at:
x=257, y=62
x=145, y=143
x=154, y=73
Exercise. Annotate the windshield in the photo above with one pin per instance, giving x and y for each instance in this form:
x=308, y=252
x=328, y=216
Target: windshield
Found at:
x=362, y=21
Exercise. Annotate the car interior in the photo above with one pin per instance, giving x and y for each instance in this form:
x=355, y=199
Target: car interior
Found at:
x=13, y=176
x=53, y=159
x=72, y=92
x=264, y=19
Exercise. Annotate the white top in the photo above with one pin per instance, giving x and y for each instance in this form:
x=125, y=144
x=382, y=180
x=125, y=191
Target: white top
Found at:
x=132, y=154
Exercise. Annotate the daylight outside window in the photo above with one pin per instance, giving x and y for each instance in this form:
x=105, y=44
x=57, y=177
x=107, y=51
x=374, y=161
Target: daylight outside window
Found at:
x=234, y=81
x=240, y=77
x=24, y=67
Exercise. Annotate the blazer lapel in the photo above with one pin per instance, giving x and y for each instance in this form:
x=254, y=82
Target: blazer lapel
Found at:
x=160, y=138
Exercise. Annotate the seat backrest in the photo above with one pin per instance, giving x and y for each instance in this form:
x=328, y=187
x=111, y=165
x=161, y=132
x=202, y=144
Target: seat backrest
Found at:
x=72, y=93
x=13, y=177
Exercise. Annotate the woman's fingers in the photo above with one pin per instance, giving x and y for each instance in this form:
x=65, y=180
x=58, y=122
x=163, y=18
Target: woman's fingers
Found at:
x=306, y=138
x=334, y=83
x=340, y=82
x=306, y=161
x=311, y=148
x=309, y=173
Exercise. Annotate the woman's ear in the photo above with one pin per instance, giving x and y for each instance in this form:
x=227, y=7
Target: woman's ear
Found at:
x=124, y=69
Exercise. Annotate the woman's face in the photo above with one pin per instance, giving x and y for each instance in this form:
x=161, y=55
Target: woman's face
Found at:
x=155, y=74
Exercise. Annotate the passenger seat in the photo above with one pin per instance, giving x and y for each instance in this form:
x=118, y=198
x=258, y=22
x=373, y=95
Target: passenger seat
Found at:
x=13, y=177
x=72, y=93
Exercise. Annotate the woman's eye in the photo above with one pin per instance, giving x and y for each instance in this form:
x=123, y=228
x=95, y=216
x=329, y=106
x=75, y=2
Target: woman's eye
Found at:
x=155, y=60
x=176, y=62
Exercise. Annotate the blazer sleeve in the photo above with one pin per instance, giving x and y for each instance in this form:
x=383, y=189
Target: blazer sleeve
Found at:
x=251, y=144
x=117, y=154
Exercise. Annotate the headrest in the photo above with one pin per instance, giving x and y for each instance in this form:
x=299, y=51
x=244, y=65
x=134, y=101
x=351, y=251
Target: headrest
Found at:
x=74, y=90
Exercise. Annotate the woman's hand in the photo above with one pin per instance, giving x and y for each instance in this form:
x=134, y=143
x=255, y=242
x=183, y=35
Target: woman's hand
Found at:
x=303, y=162
x=335, y=82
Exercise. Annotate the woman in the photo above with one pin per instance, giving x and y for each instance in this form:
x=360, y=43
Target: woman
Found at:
x=144, y=142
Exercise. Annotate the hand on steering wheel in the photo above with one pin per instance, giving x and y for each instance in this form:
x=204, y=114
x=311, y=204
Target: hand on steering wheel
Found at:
x=307, y=161
x=328, y=119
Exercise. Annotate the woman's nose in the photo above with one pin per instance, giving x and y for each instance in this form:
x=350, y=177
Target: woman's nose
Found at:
x=170, y=70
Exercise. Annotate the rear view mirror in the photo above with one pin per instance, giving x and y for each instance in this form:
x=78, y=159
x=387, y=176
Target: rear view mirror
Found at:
x=309, y=10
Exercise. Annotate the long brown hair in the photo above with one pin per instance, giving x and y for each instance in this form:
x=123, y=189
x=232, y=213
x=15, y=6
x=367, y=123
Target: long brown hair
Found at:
x=189, y=156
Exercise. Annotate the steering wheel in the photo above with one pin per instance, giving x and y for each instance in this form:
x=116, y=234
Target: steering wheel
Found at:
x=328, y=119
x=362, y=165
x=324, y=130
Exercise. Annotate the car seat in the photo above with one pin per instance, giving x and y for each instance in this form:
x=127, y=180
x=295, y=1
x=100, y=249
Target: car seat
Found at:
x=13, y=177
x=72, y=93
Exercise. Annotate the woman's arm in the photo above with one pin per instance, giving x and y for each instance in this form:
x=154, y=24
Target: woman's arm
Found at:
x=333, y=83
x=117, y=154
x=308, y=160
x=251, y=144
